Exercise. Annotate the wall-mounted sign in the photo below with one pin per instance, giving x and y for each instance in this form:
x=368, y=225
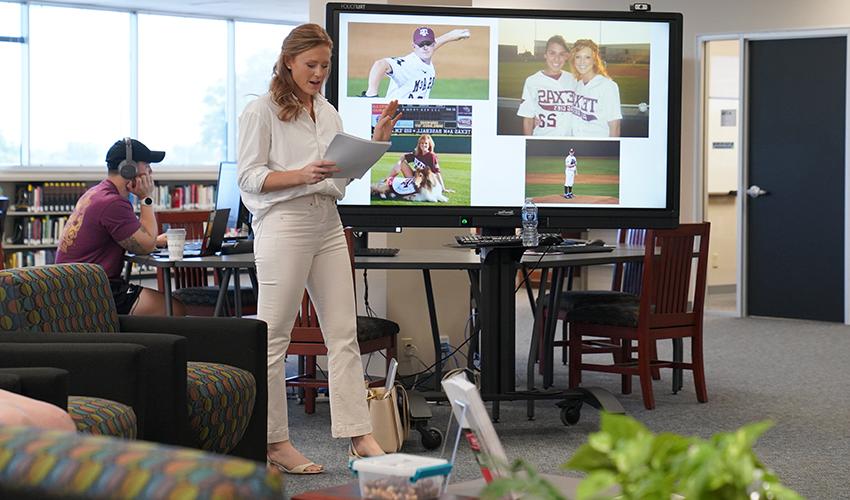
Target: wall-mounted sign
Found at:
x=728, y=117
x=722, y=145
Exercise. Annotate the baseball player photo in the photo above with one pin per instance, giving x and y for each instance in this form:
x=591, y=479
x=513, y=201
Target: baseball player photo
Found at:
x=552, y=165
x=458, y=72
x=570, y=170
x=546, y=94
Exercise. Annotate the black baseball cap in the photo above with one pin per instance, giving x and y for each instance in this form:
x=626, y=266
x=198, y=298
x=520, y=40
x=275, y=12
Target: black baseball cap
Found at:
x=118, y=152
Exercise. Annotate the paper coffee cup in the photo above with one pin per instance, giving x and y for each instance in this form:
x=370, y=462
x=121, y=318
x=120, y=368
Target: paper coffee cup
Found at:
x=176, y=240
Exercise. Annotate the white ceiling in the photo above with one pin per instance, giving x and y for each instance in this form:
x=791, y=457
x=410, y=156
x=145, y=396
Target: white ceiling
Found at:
x=294, y=11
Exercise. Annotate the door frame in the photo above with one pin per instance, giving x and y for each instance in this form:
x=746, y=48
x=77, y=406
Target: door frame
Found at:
x=700, y=192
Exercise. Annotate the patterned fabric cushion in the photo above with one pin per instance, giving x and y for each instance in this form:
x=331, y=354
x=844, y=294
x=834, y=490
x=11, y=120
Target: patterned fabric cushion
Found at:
x=207, y=296
x=62, y=298
x=10, y=303
x=102, y=416
x=369, y=328
x=606, y=314
x=53, y=464
x=221, y=401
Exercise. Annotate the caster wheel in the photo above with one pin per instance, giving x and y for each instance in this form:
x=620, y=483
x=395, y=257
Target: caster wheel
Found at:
x=570, y=415
x=431, y=438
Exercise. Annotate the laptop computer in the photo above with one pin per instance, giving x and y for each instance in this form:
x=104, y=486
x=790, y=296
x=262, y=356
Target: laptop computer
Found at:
x=213, y=237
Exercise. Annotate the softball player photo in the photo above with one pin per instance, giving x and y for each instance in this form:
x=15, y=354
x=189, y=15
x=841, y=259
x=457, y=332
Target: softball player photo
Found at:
x=596, y=105
x=459, y=72
x=606, y=96
x=545, y=94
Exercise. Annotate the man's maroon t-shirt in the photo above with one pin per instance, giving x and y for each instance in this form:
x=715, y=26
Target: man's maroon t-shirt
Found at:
x=100, y=220
x=428, y=160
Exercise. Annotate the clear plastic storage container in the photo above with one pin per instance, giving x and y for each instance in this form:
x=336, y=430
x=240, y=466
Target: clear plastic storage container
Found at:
x=401, y=476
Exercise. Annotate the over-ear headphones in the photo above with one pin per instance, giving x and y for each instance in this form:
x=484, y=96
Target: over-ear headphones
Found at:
x=128, y=168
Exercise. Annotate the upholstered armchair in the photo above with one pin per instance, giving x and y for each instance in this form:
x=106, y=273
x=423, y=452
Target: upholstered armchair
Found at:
x=203, y=379
x=56, y=464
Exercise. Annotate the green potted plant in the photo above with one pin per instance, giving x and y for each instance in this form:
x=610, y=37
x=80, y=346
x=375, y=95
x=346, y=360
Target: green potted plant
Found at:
x=626, y=458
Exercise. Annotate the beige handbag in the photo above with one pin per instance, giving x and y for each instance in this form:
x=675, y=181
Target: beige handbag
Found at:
x=390, y=424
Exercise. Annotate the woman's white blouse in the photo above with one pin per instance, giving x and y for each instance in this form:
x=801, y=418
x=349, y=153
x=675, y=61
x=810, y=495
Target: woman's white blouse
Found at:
x=267, y=144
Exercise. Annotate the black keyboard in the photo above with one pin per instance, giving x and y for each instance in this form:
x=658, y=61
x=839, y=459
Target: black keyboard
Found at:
x=375, y=252
x=511, y=240
x=237, y=247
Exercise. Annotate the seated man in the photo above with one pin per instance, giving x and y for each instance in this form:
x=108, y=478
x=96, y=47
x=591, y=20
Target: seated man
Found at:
x=103, y=225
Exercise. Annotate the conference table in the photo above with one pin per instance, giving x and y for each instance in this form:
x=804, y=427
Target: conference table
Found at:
x=492, y=275
x=229, y=265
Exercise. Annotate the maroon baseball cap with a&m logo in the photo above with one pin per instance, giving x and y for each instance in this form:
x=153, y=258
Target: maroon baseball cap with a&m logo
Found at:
x=423, y=34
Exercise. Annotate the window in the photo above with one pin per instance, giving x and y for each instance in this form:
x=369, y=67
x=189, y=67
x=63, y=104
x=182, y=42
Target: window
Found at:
x=257, y=48
x=84, y=78
x=79, y=84
x=10, y=85
x=10, y=19
x=182, y=88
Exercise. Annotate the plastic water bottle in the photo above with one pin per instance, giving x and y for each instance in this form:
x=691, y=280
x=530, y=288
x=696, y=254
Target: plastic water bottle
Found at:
x=529, y=224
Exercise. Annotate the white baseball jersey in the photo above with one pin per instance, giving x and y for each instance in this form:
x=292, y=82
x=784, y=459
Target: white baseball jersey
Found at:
x=596, y=103
x=410, y=77
x=570, y=169
x=547, y=100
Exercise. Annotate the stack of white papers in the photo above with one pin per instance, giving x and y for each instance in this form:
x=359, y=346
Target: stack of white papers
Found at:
x=354, y=156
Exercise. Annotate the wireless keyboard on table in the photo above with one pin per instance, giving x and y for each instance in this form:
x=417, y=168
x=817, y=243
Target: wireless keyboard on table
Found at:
x=375, y=252
x=510, y=240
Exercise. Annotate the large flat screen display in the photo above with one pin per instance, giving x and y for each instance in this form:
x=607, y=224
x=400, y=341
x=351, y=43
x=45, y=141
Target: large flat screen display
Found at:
x=579, y=111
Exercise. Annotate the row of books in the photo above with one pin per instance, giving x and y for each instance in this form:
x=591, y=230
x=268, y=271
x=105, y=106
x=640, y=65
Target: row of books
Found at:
x=30, y=258
x=37, y=230
x=49, y=196
x=62, y=196
x=183, y=197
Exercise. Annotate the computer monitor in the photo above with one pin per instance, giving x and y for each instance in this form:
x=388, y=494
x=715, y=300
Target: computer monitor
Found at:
x=227, y=195
x=475, y=85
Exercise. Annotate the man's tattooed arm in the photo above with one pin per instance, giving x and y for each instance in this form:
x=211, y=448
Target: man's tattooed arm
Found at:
x=133, y=245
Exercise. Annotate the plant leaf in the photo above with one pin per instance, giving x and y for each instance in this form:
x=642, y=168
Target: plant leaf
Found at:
x=621, y=426
x=587, y=459
x=595, y=484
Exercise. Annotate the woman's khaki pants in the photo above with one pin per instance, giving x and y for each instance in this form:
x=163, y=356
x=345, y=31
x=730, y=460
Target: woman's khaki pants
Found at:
x=300, y=242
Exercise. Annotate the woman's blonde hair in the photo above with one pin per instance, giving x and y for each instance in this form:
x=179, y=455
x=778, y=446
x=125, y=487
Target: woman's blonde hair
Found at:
x=428, y=139
x=282, y=86
x=598, y=65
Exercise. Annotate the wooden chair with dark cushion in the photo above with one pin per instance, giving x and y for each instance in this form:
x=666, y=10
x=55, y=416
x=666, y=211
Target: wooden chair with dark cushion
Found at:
x=192, y=286
x=625, y=288
x=664, y=311
x=373, y=334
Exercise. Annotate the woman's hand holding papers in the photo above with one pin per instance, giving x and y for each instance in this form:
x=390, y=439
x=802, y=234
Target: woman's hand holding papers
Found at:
x=317, y=171
x=386, y=122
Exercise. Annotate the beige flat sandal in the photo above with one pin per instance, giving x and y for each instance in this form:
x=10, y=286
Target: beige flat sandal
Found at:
x=298, y=469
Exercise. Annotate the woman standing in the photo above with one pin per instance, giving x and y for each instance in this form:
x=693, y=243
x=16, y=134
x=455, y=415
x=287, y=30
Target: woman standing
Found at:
x=299, y=240
x=597, y=100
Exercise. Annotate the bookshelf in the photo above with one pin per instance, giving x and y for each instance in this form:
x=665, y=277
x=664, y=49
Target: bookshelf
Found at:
x=40, y=201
